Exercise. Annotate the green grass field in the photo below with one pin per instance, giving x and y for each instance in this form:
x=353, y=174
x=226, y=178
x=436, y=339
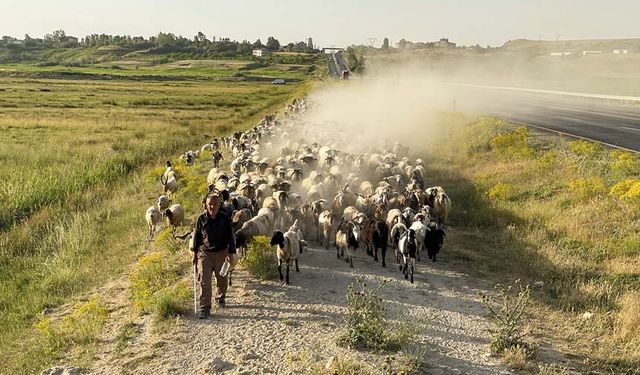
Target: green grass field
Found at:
x=79, y=153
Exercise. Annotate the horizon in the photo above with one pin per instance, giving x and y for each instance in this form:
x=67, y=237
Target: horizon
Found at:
x=331, y=23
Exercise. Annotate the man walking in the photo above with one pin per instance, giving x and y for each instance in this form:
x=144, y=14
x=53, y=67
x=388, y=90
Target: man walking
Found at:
x=213, y=242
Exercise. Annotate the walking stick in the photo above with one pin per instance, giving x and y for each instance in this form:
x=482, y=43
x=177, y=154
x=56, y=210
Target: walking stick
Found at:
x=195, y=289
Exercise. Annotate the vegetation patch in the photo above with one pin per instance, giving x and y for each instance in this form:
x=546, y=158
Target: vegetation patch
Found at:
x=81, y=327
x=561, y=213
x=260, y=259
x=506, y=311
x=365, y=323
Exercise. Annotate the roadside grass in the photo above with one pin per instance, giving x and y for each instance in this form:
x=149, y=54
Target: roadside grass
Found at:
x=78, y=181
x=543, y=208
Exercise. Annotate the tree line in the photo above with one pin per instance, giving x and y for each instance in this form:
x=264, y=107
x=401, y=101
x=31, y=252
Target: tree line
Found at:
x=160, y=43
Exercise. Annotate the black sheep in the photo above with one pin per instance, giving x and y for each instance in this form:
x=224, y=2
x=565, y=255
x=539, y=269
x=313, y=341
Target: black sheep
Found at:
x=433, y=240
x=380, y=239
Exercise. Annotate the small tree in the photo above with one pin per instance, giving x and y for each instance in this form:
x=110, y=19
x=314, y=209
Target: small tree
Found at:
x=273, y=44
x=310, y=44
x=402, y=44
x=257, y=44
x=385, y=43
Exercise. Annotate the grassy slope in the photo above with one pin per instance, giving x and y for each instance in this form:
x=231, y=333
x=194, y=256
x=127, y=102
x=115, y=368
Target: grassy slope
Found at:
x=73, y=206
x=543, y=209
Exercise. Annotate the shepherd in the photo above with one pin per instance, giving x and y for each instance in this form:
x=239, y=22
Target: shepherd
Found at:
x=213, y=243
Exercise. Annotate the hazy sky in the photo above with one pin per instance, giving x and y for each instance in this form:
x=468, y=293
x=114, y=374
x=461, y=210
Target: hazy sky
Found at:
x=329, y=22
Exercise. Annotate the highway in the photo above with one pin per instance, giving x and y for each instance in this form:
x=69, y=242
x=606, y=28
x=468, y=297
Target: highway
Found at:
x=608, y=121
x=336, y=64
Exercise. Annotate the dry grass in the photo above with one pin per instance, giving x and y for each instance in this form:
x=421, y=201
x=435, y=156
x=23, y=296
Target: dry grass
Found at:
x=80, y=165
x=552, y=210
x=516, y=358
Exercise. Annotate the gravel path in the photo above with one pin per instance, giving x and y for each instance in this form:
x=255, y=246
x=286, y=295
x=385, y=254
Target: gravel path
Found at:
x=270, y=328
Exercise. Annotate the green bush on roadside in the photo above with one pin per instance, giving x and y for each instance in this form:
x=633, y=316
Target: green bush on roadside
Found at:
x=260, y=259
x=366, y=326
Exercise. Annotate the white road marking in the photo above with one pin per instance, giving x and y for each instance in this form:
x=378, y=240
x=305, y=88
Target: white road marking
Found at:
x=572, y=135
x=634, y=129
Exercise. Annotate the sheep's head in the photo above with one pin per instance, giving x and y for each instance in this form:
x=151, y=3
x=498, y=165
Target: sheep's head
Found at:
x=277, y=239
x=168, y=214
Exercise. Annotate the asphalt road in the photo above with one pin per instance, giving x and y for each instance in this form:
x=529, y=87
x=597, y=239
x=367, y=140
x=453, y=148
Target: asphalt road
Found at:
x=336, y=64
x=613, y=123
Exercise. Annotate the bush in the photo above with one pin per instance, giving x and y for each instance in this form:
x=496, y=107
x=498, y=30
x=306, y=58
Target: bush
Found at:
x=150, y=274
x=169, y=302
x=501, y=191
x=260, y=259
x=81, y=326
x=621, y=188
x=513, y=144
x=477, y=137
x=547, y=162
x=625, y=163
x=585, y=148
x=366, y=326
x=507, y=311
x=587, y=187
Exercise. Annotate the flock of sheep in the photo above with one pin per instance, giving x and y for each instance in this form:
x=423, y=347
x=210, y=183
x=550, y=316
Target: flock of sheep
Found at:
x=293, y=181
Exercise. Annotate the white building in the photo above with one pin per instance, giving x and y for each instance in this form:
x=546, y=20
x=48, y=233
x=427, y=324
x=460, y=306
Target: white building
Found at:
x=621, y=51
x=560, y=54
x=259, y=52
x=584, y=53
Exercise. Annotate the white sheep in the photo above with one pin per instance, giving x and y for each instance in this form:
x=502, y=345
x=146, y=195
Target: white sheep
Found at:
x=288, y=249
x=175, y=215
x=153, y=217
x=169, y=184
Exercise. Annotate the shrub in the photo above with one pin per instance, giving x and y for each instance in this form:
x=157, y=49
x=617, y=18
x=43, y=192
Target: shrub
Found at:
x=625, y=163
x=623, y=187
x=366, y=326
x=477, y=137
x=81, y=326
x=587, y=187
x=501, y=191
x=150, y=274
x=169, y=302
x=585, y=148
x=513, y=144
x=260, y=259
x=507, y=311
x=547, y=162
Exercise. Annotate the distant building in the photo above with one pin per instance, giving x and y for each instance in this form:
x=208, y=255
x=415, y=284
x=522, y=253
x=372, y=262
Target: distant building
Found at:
x=259, y=52
x=560, y=54
x=71, y=39
x=329, y=50
x=444, y=43
x=584, y=53
x=621, y=51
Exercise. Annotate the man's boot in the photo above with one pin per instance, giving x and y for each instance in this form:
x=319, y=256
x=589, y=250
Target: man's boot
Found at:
x=205, y=314
x=221, y=301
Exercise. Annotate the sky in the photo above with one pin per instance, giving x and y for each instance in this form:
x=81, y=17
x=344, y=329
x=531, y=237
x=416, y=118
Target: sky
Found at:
x=330, y=22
